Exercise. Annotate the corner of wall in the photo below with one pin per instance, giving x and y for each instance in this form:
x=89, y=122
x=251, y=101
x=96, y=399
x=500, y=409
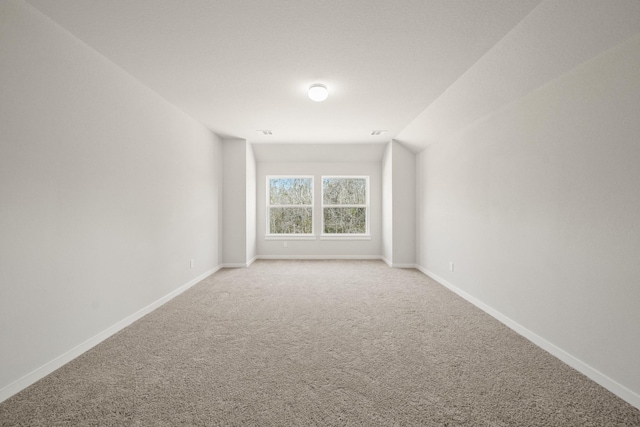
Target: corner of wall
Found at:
x=387, y=203
x=404, y=204
x=251, y=205
x=234, y=155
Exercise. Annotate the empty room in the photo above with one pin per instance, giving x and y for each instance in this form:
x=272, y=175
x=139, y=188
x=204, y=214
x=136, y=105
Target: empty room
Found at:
x=320, y=213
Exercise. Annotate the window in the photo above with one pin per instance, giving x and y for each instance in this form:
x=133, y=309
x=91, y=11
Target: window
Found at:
x=345, y=205
x=290, y=205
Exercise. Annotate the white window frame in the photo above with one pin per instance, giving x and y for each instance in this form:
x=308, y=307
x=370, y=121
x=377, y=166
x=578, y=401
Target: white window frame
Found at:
x=346, y=236
x=290, y=236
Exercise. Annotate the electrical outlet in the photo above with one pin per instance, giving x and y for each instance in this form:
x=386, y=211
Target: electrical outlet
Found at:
x=192, y=263
x=451, y=266
x=284, y=244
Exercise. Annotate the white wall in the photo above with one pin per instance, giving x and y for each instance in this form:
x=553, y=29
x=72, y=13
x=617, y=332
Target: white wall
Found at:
x=399, y=206
x=106, y=193
x=317, y=247
x=251, y=204
x=234, y=246
x=387, y=204
x=538, y=206
x=404, y=206
x=239, y=201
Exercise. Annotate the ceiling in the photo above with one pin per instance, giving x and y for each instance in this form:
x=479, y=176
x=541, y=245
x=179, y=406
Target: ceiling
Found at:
x=418, y=69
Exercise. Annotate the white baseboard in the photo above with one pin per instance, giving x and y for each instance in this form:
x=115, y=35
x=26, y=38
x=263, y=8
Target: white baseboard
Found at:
x=616, y=388
x=397, y=265
x=239, y=264
x=318, y=257
x=68, y=356
x=380, y=257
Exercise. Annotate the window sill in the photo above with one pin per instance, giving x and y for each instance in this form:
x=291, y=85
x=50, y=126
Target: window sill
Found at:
x=290, y=237
x=346, y=237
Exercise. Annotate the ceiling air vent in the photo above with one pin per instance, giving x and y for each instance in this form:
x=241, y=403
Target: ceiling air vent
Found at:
x=265, y=132
x=378, y=132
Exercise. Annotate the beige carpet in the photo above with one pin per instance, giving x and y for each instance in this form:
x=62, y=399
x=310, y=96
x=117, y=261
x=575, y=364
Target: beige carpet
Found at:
x=326, y=343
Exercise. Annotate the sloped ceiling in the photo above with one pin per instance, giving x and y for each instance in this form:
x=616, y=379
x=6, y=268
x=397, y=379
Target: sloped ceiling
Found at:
x=419, y=69
x=553, y=39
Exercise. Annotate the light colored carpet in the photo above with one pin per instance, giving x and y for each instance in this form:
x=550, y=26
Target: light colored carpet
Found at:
x=327, y=343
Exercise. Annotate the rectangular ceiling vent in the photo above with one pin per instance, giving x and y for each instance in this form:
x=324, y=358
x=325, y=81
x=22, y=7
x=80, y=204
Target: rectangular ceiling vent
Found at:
x=265, y=132
x=378, y=132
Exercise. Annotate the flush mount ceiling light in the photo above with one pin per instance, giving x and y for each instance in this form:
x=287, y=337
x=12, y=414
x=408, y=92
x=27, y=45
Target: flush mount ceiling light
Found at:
x=318, y=92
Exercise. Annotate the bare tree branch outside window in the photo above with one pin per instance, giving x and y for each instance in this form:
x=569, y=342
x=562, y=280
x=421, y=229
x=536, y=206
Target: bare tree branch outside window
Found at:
x=291, y=205
x=345, y=205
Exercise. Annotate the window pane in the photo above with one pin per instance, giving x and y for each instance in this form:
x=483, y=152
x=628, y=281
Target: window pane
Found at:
x=344, y=191
x=290, y=191
x=345, y=220
x=290, y=221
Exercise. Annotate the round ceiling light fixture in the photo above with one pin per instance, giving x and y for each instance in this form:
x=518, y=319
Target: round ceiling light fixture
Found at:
x=318, y=92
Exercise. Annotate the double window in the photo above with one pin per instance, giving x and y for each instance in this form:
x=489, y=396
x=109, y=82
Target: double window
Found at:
x=344, y=209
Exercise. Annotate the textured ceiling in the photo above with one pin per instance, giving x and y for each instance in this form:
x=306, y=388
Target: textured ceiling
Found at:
x=420, y=69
